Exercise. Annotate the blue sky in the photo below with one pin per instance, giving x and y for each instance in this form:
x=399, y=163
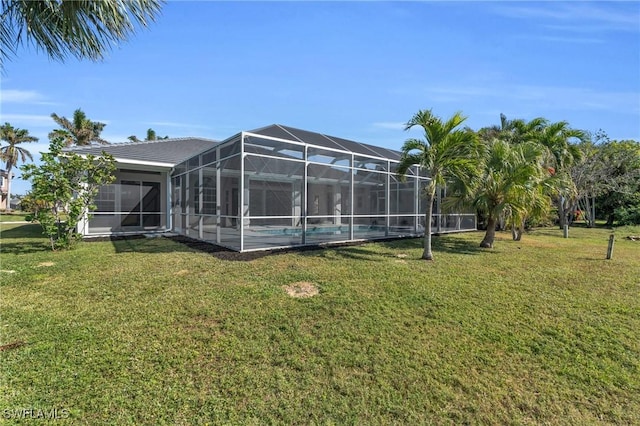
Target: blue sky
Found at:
x=357, y=70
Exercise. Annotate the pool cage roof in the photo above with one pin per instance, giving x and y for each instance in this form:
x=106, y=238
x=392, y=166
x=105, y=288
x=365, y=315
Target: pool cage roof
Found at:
x=332, y=142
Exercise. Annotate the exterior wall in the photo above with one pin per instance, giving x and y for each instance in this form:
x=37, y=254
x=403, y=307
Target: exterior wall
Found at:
x=4, y=190
x=256, y=193
x=136, y=202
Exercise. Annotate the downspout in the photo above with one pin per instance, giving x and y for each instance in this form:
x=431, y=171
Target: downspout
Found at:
x=169, y=205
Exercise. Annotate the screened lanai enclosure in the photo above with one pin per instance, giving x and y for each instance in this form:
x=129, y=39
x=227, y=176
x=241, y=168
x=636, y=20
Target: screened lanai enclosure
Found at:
x=279, y=187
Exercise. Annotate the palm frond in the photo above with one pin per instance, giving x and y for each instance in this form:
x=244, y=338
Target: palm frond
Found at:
x=84, y=29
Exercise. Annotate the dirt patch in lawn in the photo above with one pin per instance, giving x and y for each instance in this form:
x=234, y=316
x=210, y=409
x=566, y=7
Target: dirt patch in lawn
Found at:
x=13, y=345
x=301, y=289
x=41, y=264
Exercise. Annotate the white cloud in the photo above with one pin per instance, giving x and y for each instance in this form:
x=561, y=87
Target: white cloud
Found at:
x=174, y=124
x=23, y=97
x=28, y=120
x=579, y=15
x=389, y=125
x=556, y=97
x=561, y=39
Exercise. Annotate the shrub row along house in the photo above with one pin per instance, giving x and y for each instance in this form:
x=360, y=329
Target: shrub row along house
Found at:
x=272, y=187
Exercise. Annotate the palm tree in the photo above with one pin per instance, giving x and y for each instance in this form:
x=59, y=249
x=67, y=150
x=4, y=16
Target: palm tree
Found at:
x=509, y=184
x=446, y=153
x=518, y=132
x=151, y=136
x=84, y=29
x=11, y=153
x=556, y=139
x=80, y=131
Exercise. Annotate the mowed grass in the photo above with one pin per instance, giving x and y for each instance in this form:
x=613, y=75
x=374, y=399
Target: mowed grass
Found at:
x=13, y=216
x=542, y=331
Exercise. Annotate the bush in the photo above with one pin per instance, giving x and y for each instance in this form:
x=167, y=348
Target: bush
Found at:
x=627, y=215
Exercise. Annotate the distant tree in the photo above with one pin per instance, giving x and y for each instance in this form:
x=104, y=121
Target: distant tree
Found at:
x=512, y=131
x=446, y=153
x=84, y=29
x=619, y=201
x=12, y=152
x=79, y=131
x=63, y=188
x=151, y=136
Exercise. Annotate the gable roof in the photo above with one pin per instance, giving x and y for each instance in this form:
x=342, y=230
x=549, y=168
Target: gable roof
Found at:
x=291, y=133
x=164, y=152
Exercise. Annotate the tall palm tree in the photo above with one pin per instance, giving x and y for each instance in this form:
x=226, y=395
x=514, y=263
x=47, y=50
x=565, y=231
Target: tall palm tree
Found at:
x=11, y=153
x=446, y=153
x=84, y=29
x=80, y=131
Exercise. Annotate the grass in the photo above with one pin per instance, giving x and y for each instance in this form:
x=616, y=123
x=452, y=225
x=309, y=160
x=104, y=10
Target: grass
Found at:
x=541, y=331
x=13, y=216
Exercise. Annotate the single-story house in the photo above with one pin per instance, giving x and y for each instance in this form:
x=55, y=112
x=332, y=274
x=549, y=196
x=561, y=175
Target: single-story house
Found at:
x=4, y=189
x=272, y=187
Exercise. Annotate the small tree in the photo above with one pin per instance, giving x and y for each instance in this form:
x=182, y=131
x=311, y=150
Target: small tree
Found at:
x=63, y=190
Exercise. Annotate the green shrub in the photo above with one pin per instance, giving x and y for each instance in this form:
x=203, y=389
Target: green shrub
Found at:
x=627, y=215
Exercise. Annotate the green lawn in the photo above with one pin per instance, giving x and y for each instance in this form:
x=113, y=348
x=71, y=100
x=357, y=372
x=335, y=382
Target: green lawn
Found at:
x=12, y=216
x=147, y=331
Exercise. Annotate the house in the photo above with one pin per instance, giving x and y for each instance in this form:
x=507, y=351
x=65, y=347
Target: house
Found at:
x=272, y=187
x=4, y=190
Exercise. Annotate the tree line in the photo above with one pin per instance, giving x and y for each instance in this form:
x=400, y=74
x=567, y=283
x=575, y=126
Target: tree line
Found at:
x=522, y=173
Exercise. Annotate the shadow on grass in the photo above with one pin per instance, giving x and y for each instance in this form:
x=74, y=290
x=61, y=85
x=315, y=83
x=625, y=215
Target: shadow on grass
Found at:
x=24, y=248
x=439, y=244
x=352, y=250
x=32, y=233
x=30, y=230
x=141, y=244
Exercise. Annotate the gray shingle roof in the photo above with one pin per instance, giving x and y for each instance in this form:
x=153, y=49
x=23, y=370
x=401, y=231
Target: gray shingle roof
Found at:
x=170, y=151
x=291, y=133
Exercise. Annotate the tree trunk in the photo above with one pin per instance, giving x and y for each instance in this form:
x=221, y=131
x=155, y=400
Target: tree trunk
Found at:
x=520, y=229
x=517, y=231
x=427, y=254
x=502, y=223
x=562, y=218
x=8, y=208
x=490, y=235
x=610, y=220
